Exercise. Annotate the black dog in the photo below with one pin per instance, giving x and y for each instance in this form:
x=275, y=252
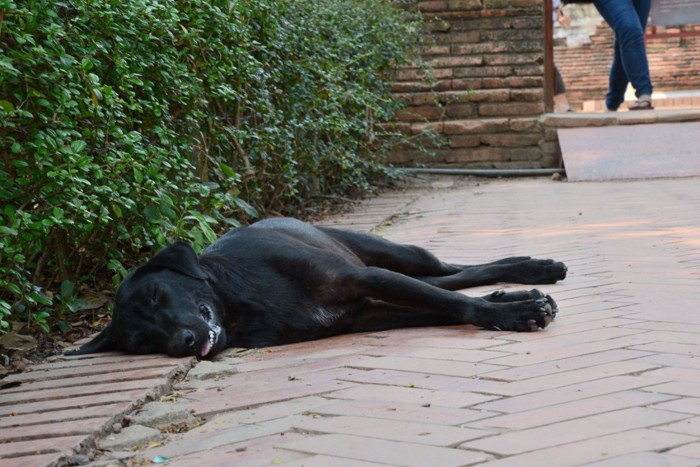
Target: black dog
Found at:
x=282, y=280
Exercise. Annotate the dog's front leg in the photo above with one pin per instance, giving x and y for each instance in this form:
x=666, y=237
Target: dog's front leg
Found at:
x=527, y=313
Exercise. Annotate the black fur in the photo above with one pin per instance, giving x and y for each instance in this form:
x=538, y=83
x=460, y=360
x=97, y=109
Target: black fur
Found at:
x=282, y=280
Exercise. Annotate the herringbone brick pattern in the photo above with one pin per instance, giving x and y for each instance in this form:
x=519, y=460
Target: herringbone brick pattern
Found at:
x=614, y=381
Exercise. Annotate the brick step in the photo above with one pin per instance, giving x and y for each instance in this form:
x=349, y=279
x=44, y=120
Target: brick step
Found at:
x=461, y=96
x=662, y=100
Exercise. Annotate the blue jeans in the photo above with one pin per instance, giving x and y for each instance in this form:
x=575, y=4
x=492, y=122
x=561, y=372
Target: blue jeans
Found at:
x=628, y=19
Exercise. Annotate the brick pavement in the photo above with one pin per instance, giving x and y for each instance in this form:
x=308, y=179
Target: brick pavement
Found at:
x=614, y=381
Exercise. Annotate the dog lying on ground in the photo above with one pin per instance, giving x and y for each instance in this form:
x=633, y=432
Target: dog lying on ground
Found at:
x=281, y=280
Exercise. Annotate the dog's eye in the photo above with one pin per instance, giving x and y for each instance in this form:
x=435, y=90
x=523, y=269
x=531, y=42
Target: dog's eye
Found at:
x=205, y=311
x=154, y=295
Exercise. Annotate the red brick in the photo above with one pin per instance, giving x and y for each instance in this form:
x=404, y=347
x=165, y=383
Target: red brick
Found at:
x=59, y=415
x=428, y=381
x=214, y=401
x=210, y=437
x=565, y=394
x=439, y=353
x=432, y=6
x=139, y=374
x=325, y=461
x=78, y=391
x=514, y=108
x=571, y=431
x=40, y=460
x=568, y=364
x=570, y=410
x=407, y=395
x=56, y=429
x=646, y=458
x=682, y=361
x=74, y=368
x=565, y=346
x=384, y=451
x=403, y=412
x=678, y=388
x=596, y=448
x=690, y=426
x=125, y=397
x=30, y=448
x=685, y=405
x=425, y=365
x=689, y=450
x=409, y=432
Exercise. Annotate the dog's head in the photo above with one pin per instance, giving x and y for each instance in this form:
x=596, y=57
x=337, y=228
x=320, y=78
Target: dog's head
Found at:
x=165, y=306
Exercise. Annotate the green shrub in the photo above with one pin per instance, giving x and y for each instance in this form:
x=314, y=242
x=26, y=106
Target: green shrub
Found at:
x=126, y=123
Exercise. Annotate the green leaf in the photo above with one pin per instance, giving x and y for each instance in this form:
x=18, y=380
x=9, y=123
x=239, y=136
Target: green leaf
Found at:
x=78, y=146
x=6, y=64
x=76, y=305
x=7, y=231
x=87, y=64
x=247, y=208
x=6, y=106
x=67, y=60
x=228, y=171
x=41, y=299
x=152, y=213
x=67, y=289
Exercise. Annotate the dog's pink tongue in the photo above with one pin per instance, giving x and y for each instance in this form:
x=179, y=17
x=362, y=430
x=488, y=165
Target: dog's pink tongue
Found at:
x=206, y=348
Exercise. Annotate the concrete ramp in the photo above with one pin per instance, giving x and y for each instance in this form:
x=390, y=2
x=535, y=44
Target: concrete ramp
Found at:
x=622, y=152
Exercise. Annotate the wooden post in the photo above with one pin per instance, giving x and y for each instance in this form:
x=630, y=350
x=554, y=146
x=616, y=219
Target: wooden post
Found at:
x=548, y=57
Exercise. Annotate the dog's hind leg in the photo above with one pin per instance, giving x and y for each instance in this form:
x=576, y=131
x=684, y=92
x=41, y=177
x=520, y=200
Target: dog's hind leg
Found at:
x=376, y=251
x=517, y=270
x=418, y=262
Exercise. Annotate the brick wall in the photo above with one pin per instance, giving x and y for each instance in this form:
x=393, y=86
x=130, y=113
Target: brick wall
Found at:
x=486, y=94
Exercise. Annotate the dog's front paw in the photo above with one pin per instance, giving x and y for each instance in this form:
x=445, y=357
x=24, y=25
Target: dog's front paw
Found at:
x=501, y=296
x=527, y=315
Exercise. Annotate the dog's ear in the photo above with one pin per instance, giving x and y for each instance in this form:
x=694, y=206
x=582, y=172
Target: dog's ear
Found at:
x=103, y=342
x=179, y=257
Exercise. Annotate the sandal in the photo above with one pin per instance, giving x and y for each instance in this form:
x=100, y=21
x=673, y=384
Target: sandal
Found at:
x=643, y=103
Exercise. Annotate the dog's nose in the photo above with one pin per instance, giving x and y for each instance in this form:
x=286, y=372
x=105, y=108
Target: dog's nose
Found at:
x=187, y=339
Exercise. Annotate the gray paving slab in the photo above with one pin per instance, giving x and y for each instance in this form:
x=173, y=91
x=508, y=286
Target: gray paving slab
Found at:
x=627, y=152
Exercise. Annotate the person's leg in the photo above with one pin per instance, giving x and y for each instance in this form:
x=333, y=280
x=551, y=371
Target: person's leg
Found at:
x=617, y=80
x=561, y=103
x=559, y=87
x=627, y=18
x=645, y=88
